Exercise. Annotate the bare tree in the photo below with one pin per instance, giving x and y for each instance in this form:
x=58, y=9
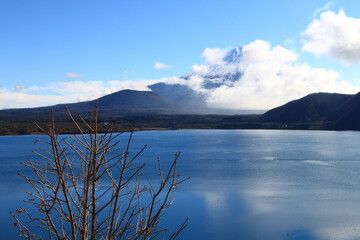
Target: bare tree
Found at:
x=87, y=187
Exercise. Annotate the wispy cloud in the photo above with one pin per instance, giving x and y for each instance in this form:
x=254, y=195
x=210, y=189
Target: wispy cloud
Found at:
x=73, y=75
x=160, y=65
x=335, y=35
x=327, y=7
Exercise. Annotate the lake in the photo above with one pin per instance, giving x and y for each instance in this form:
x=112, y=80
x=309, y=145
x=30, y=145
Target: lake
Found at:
x=245, y=184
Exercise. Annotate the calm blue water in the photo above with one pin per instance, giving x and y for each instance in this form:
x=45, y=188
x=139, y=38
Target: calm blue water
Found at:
x=245, y=184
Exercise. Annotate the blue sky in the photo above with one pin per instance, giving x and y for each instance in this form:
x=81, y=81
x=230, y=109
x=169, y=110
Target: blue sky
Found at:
x=47, y=43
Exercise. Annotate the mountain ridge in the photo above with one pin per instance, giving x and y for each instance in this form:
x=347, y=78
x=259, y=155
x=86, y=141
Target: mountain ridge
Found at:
x=331, y=111
x=149, y=110
x=120, y=103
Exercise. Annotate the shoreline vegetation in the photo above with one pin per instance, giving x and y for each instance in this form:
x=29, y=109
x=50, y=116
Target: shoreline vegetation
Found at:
x=162, y=122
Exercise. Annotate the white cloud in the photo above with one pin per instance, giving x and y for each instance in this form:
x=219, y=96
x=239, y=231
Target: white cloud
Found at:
x=195, y=82
x=160, y=65
x=74, y=75
x=214, y=55
x=201, y=69
x=335, y=35
x=70, y=92
x=261, y=51
x=11, y=99
x=271, y=76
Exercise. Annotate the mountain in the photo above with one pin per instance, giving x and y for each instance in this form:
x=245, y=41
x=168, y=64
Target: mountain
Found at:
x=321, y=110
x=149, y=109
x=191, y=101
x=125, y=102
x=162, y=99
x=317, y=110
x=315, y=107
x=225, y=72
x=181, y=94
x=348, y=114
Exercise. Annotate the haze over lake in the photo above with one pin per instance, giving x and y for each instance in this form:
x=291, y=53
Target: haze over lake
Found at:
x=245, y=184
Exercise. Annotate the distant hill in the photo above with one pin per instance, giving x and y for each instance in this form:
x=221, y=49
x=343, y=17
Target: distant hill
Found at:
x=348, y=115
x=129, y=101
x=312, y=108
x=125, y=102
x=322, y=110
x=176, y=106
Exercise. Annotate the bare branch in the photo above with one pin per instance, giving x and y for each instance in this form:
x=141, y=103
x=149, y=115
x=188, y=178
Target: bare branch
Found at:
x=86, y=187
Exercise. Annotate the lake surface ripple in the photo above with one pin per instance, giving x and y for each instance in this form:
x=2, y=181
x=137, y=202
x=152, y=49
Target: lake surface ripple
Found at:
x=245, y=184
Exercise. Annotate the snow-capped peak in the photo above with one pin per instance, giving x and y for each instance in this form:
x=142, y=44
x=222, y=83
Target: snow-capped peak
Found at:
x=233, y=55
x=226, y=72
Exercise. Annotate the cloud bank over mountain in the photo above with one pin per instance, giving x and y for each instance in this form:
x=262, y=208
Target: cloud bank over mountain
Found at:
x=260, y=76
x=256, y=76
